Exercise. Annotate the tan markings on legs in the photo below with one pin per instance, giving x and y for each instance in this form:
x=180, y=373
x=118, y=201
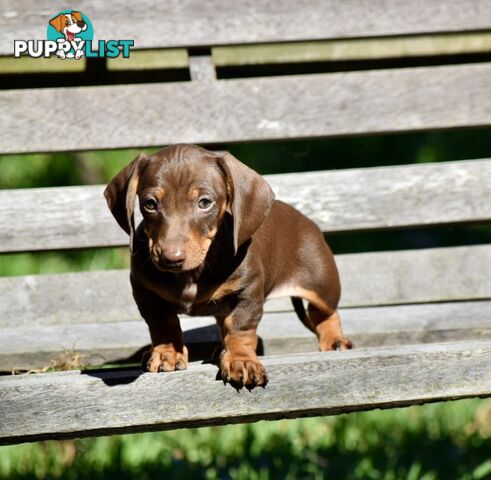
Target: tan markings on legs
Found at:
x=166, y=358
x=239, y=364
x=328, y=330
x=168, y=352
x=323, y=319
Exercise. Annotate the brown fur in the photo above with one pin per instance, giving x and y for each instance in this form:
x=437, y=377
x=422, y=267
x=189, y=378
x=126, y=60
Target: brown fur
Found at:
x=223, y=261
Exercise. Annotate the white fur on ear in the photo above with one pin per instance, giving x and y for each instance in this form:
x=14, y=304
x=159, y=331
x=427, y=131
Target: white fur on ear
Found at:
x=121, y=195
x=130, y=208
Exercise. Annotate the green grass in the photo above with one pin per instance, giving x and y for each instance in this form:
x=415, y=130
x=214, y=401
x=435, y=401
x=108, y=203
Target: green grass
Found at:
x=441, y=441
x=66, y=261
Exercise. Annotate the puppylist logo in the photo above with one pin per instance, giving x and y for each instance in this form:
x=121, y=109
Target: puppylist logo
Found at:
x=70, y=35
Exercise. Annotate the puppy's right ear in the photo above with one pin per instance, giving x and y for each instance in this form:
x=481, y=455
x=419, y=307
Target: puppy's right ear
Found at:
x=120, y=195
x=58, y=22
x=78, y=16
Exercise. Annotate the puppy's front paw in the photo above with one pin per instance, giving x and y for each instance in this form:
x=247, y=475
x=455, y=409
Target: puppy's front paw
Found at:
x=165, y=359
x=337, y=343
x=242, y=370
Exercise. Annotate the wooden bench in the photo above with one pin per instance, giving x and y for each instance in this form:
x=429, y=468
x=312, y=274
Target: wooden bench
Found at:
x=420, y=319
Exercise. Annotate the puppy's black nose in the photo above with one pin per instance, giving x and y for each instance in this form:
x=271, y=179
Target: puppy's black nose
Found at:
x=173, y=256
x=81, y=24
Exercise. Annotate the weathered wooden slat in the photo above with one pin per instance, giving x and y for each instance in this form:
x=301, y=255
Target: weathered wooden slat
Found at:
x=356, y=199
x=195, y=23
x=416, y=276
x=67, y=405
x=301, y=52
x=368, y=279
x=353, y=49
x=37, y=346
x=289, y=107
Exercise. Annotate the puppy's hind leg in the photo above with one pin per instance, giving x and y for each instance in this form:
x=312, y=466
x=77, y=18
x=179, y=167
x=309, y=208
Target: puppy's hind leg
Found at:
x=323, y=321
x=316, y=279
x=327, y=327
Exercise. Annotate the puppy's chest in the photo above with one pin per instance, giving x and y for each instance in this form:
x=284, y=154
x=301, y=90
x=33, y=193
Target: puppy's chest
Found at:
x=187, y=294
x=192, y=298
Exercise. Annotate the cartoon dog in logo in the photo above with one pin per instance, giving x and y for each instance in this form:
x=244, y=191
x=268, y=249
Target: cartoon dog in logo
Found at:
x=70, y=25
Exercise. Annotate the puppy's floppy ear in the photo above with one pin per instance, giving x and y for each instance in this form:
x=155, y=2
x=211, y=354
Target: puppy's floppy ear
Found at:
x=120, y=195
x=78, y=16
x=58, y=22
x=250, y=197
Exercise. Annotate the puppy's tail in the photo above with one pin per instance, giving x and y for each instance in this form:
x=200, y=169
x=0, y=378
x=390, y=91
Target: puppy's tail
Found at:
x=299, y=308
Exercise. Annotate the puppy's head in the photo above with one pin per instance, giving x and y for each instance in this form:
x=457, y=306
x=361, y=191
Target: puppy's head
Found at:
x=184, y=192
x=70, y=24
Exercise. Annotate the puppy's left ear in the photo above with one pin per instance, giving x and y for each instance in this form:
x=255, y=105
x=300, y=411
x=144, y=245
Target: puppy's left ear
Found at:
x=58, y=22
x=120, y=195
x=250, y=197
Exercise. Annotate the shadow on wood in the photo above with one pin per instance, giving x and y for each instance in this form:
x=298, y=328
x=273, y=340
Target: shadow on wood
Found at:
x=202, y=346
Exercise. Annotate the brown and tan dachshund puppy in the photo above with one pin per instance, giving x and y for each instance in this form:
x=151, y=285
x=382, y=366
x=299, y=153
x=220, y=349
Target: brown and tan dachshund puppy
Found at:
x=214, y=241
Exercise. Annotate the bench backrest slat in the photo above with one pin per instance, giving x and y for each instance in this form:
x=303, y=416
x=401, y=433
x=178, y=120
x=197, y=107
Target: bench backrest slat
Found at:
x=289, y=107
x=344, y=200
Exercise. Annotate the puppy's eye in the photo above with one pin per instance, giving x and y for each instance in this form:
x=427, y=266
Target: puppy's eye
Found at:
x=150, y=205
x=205, y=203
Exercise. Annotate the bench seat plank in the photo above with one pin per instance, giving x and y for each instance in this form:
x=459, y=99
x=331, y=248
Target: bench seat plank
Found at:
x=269, y=108
x=71, y=404
x=357, y=199
x=169, y=23
x=368, y=279
x=36, y=346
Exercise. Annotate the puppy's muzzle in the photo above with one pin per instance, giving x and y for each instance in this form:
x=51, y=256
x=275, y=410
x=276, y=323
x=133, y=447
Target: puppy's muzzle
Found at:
x=171, y=258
